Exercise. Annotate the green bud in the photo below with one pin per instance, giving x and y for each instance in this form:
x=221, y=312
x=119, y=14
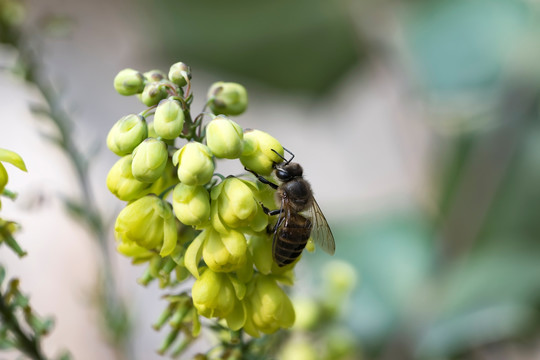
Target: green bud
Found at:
x=213, y=294
x=224, y=252
x=148, y=223
x=152, y=134
x=127, y=134
x=269, y=308
x=154, y=75
x=129, y=82
x=235, y=206
x=121, y=182
x=3, y=177
x=169, y=119
x=258, y=155
x=195, y=164
x=224, y=138
x=149, y=160
x=166, y=180
x=227, y=98
x=191, y=204
x=153, y=93
x=179, y=74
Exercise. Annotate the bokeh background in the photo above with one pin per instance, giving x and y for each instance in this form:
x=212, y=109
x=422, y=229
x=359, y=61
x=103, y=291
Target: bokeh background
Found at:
x=416, y=122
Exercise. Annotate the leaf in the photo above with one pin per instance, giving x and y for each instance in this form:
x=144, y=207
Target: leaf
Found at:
x=13, y=158
x=194, y=254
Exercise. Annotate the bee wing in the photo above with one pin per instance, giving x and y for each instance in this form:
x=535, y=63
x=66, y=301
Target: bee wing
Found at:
x=283, y=215
x=321, y=233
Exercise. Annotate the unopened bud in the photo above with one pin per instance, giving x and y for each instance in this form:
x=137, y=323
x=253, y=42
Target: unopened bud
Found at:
x=149, y=160
x=179, y=74
x=227, y=98
x=258, y=154
x=153, y=93
x=191, y=204
x=155, y=75
x=129, y=82
x=225, y=138
x=169, y=119
x=195, y=164
x=121, y=182
x=127, y=134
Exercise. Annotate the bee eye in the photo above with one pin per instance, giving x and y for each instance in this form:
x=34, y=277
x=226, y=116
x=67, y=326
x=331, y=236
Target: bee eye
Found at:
x=282, y=174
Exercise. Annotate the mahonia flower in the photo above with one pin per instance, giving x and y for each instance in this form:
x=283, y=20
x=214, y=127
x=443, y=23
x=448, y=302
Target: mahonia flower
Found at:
x=211, y=227
x=195, y=164
x=227, y=98
x=169, y=119
x=127, y=134
x=258, y=154
x=148, y=223
x=149, y=160
x=224, y=138
x=122, y=183
x=191, y=204
x=234, y=205
x=268, y=307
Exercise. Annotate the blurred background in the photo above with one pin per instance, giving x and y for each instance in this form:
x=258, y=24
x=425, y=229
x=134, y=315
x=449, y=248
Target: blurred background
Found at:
x=416, y=122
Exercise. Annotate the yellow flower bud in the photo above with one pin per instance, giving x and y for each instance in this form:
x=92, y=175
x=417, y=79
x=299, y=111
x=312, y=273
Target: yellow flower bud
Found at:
x=13, y=158
x=269, y=308
x=152, y=134
x=224, y=252
x=169, y=119
x=213, y=294
x=149, y=223
x=224, y=138
x=129, y=82
x=167, y=179
x=149, y=160
x=179, y=73
x=195, y=164
x=227, y=98
x=127, y=134
x=122, y=184
x=258, y=155
x=234, y=205
x=191, y=204
x=153, y=93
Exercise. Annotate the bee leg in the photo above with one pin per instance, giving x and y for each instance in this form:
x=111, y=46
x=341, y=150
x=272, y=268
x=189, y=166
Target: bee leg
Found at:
x=267, y=211
x=262, y=179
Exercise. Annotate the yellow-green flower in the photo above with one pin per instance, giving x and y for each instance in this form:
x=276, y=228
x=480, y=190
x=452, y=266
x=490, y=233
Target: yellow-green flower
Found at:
x=224, y=138
x=191, y=204
x=149, y=223
x=149, y=160
x=234, y=206
x=258, y=155
x=195, y=164
x=214, y=295
x=129, y=82
x=268, y=307
x=227, y=98
x=122, y=184
x=224, y=252
x=169, y=119
x=127, y=134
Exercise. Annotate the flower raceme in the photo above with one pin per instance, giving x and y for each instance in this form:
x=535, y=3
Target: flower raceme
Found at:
x=214, y=230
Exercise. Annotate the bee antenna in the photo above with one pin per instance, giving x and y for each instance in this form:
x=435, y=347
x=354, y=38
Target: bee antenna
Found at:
x=286, y=161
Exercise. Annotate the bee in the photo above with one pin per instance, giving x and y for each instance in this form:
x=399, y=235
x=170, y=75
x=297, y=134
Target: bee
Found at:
x=299, y=215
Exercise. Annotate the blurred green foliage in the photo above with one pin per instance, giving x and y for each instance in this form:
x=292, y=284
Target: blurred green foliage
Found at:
x=302, y=45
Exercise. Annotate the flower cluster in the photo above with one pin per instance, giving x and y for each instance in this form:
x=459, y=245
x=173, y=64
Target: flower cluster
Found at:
x=182, y=218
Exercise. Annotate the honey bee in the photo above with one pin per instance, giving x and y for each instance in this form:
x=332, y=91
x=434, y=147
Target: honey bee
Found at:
x=299, y=215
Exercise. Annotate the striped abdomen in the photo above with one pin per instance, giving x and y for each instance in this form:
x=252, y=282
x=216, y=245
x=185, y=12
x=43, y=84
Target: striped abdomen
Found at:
x=291, y=238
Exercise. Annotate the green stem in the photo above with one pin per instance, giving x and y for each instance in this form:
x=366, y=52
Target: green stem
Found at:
x=27, y=344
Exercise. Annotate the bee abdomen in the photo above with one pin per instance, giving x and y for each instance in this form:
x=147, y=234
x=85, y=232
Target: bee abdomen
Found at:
x=290, y=242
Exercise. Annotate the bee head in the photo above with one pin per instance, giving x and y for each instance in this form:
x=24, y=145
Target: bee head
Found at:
x=288, y=170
